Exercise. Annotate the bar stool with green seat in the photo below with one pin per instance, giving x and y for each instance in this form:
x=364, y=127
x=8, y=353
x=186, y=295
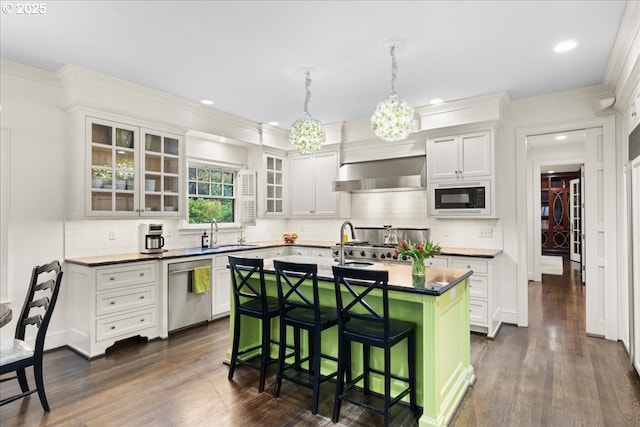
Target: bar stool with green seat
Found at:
x=360, y=320
x=300, y=308
x=250, y=299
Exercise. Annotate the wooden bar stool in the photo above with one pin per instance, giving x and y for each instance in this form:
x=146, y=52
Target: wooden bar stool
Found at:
x=302, y=310
x=250, y=299
x=359, y=321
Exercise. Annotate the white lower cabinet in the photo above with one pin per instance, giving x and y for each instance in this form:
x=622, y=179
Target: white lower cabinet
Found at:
x=484, y=301
x=111, y=303
x=221, y=294
x=221, y=283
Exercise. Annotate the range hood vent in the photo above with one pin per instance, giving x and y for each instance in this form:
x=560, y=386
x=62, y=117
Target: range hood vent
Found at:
x=405, y=173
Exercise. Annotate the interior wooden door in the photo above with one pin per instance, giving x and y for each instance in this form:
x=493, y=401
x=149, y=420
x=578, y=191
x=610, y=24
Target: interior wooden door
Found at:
x=575, y=222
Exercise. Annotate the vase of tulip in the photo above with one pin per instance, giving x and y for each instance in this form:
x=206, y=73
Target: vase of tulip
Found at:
x=418, y=252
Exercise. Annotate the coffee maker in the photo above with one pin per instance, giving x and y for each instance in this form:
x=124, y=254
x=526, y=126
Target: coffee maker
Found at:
x=151, y=240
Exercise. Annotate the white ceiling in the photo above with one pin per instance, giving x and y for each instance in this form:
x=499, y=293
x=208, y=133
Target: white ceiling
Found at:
x=247, y=56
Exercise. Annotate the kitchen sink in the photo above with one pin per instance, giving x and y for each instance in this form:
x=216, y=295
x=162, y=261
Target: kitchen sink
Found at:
x=357, y=264
x=222, y=248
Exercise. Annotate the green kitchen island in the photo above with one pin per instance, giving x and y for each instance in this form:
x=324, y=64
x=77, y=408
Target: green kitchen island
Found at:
x=440, y=309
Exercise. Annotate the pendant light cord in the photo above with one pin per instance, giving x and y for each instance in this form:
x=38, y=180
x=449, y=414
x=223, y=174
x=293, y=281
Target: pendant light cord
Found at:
x=307, y=85
x=394, y=69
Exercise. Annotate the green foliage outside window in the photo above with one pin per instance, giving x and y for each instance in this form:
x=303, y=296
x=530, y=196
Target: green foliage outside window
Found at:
x=211, y=195
x=202, y=210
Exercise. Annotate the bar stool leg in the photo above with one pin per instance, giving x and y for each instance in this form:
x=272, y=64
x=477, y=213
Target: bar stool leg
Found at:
x=282, y=351
x=365, y=365
x=265, y=351
x=234, y=348
x=342, y=361
x=411, y=344
x=387, y=385
x=316, y=369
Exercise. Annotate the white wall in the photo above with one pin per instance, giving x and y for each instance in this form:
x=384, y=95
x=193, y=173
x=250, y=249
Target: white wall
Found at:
x=30, y=110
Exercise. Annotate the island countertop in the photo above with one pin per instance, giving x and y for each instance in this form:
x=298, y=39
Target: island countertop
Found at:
x=437, y=280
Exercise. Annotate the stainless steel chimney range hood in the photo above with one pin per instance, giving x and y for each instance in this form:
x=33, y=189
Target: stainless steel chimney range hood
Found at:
x=405, y=173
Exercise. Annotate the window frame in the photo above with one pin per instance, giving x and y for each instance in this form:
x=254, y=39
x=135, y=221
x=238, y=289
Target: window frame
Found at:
x=201, y=164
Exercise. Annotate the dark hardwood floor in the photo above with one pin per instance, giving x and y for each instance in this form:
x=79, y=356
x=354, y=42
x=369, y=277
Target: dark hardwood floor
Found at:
x=549, y=374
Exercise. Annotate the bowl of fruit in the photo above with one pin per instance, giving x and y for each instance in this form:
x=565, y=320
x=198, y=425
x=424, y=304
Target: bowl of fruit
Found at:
x=289, y=237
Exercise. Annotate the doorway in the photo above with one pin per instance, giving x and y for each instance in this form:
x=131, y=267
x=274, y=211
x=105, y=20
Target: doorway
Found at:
x=600, y=224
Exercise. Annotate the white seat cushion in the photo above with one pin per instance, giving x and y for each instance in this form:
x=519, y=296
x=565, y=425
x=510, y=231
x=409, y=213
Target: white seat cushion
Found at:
x=20, y=350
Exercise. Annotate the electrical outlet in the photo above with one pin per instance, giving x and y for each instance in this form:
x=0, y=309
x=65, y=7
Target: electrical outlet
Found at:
x=486, y=232
x=112, y=235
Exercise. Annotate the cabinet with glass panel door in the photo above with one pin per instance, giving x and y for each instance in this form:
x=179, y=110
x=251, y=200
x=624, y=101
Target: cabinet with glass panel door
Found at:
x=274, y=185
x=130, y=178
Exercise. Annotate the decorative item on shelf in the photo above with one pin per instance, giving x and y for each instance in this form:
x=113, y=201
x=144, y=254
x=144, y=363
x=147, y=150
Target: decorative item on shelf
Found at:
x=307, y=133
x=100, y=176
x=150, y=185
x=124, y=175
x=393, y=118
x=418, y=252
x=289, y=237
x=124, y=138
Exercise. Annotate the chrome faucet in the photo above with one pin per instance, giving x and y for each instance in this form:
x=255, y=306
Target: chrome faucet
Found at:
x=353, y=236
x=241, y=238
x=213, y=239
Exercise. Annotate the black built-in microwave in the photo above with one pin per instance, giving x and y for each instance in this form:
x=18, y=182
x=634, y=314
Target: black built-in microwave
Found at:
x=461, y=198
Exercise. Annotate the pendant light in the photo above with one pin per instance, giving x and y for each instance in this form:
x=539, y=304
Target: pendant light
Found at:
x=393, y=119
x=307, y=133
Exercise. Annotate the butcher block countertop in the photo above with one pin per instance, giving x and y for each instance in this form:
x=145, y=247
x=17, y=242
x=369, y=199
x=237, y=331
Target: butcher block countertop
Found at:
x=96, y=261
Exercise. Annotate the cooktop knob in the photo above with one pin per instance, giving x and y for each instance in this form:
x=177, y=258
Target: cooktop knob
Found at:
x=363, y=253
x=388, y=254
x=404, y=257
x=374, y=255
x=350, y=252
x=395, y=257
x=382, y=256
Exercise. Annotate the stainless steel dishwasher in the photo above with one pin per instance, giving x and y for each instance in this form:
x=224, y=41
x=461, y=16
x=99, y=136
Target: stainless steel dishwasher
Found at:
x=185, y=307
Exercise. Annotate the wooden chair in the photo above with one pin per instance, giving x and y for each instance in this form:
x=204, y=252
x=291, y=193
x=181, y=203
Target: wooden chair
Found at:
x=360, y=322
x=36, y=311
x=250, y=299
x=302, y=310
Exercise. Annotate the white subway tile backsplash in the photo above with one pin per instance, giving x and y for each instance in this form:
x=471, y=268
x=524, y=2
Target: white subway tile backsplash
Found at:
x=400, y=209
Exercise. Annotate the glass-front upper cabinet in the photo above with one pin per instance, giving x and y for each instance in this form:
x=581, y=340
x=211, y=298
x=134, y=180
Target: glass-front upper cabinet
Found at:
x=274, y=185
x=134, y=171
x=161, y=166
x=112, y=167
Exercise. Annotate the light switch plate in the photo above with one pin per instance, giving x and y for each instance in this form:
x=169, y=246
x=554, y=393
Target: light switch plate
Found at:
x=486, y=232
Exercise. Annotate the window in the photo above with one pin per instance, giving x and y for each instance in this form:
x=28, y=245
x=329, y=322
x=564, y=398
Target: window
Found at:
x=212, y=194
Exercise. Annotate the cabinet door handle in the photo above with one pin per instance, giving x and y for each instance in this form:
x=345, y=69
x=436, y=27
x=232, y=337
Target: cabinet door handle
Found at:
x=141, y=296
x=142, y=320
x=112, y=302
x=141, y=274
x=112, y=327
x=112, y=278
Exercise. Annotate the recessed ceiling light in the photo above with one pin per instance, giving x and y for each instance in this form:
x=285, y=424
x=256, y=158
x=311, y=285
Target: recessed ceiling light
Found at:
x=435, y=101
x=561, y=137
x=551, y=172
x=273, y=123
x=206, y=102
x=565, y=46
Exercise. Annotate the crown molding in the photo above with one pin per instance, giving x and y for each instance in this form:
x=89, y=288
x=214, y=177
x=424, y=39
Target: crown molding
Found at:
x=28, y=72
x=626, y=50
x=583, y=93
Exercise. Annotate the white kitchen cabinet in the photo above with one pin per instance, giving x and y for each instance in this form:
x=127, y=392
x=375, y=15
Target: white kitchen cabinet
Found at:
x=320, y=252
x=310, y=186
x=460, y=157
x=273, y=185
x=111, y=303
x=221, y=283
x=124, y=169
x=279, y=251
x=299, y=251
x=221, y=292
x=484, y=298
